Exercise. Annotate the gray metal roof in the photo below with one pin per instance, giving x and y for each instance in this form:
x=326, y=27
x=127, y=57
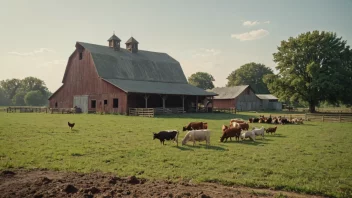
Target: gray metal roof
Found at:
x=141, y=72
x=228, y=92
x=114, y=37
x=266, y=97
x=131, y=40
x=134, y=86
x=143, y=65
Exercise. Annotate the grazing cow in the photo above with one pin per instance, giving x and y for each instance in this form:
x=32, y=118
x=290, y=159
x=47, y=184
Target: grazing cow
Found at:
x=255, y=120
x=247, y=134
x=166, y=135
x=250, y=120
x=230, y=132
x=244, y=126
x=236, y=120
x=195, y=126
x=259, y=131
x=271, y=130
x=197, y=135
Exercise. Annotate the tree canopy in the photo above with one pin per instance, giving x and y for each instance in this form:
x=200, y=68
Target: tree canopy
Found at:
x=250, y=74
x=202, y=80
x=34, y=98
x=13, y=91
x=313, y=67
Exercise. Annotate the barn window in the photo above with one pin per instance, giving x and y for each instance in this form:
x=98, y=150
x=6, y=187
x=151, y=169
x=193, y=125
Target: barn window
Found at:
x=80, y=56
x=115, y=103
x=93, y=104
x=105, y=102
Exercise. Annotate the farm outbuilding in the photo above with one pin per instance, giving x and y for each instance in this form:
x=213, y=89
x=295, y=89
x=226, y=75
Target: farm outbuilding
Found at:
x=243, y=98
x=112, y=79
x=269, y=102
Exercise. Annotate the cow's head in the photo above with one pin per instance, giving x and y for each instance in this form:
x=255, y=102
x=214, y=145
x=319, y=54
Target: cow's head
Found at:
x=155, y=135
x=184, y=129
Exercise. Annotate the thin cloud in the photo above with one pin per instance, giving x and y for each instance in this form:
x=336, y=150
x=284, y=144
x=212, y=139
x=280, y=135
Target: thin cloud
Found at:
x=250, y=23
x=33, y=53
x=203, y=52
x=252, y=35
x=267, y=22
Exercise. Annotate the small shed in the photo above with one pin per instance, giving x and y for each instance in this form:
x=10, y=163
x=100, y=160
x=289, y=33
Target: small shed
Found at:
x=269, y=102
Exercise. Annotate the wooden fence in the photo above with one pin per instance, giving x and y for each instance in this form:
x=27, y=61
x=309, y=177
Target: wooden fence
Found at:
x=62, y=110
x=144, y=112
x=26, y=109
x=174, y=110
x=224, y=110
x=342, y=117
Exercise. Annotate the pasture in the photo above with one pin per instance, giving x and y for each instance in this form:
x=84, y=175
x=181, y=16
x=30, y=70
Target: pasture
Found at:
x=313, y=158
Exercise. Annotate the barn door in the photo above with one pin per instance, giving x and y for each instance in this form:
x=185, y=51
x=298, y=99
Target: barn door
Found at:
x=81, y=102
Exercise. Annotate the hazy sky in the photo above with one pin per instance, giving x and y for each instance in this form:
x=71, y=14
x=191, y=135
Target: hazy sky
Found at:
x=217, y=36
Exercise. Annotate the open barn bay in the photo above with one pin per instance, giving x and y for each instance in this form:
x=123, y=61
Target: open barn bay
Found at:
x=313, y=158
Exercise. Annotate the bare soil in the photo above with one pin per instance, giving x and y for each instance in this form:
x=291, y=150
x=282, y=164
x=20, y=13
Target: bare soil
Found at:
x=46, y=183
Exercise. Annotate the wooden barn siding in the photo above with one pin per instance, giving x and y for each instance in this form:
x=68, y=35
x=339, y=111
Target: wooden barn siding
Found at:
x=247, y=101
x=223, y=103
x=82, y=79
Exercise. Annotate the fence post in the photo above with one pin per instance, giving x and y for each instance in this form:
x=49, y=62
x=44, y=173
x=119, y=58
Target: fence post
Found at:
x=305, y=117
x=323, y=118
x=339, y=117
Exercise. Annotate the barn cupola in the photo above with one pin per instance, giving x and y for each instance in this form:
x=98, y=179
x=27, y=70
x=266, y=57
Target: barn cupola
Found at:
x=114, y=42
x=132, y=45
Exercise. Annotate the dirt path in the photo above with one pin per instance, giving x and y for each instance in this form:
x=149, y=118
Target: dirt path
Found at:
x=45, y=183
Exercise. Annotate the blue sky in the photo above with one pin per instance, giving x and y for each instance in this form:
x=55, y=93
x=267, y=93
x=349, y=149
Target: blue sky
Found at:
x=38, y=36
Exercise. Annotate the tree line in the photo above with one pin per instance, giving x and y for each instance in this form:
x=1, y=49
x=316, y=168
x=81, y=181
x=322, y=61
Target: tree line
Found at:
x=29, y=91
x=313, y=68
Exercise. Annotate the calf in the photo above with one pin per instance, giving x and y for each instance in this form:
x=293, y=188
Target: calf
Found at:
x=195, y=126
x=230, y=132
x=271, y=130
x=197, y=135
x=166, y=135
x=247, y=134
x=259, y=131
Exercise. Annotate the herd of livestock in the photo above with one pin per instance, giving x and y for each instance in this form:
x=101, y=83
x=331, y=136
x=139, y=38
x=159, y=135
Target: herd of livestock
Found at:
x=238, y=128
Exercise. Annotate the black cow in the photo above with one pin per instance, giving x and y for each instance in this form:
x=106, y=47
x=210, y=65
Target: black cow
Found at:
x=166, y=135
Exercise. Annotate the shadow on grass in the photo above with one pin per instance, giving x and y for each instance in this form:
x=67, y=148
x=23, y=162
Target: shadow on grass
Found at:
x=252, y=143
x=209, y=116
x=198, y=146
x=276, y=136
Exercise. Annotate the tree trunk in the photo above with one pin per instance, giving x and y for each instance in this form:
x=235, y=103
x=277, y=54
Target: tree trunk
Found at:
x=311, y=107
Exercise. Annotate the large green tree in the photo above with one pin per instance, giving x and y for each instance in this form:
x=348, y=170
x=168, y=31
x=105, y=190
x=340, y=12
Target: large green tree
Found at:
x=202, y=80
x=34, y=98
x=250, y=74
x=10, y=87
x=4, y=100
x=313, y=67
x=18, y=99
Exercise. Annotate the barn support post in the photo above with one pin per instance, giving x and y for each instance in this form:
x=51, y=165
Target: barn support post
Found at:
x=164, y=97
x=146, y=100
x=196, y=103
x=183, y=103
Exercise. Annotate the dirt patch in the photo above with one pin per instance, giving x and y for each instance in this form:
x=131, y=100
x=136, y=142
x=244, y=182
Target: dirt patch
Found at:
x=45, y=183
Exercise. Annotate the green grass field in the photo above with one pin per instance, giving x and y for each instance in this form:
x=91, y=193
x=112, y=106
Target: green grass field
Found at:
x=314, y=158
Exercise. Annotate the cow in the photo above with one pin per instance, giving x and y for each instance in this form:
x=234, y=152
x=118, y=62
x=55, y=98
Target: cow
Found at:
x=255, y=120
x=197, y=135
x=247, y=134
x=195, y=126
x=166, y=135
x=271, y=130
x=259, y=131
x=230, y=132
x=244, y=126
x=236, y=121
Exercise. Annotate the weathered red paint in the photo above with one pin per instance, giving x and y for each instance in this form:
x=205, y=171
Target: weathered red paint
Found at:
x=224, y=103
x=81, y=78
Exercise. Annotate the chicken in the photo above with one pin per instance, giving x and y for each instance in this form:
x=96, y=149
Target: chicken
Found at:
x=71, y=125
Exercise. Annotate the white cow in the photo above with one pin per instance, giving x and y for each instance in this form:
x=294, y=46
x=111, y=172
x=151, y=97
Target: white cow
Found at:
x=247, y=134
x=259, y=131
x=197, y=135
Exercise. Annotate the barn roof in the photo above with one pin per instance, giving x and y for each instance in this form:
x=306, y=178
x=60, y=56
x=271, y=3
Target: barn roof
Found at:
x=114, y=37
x=266, y=97
x=152, y=71
x=135, y=86
x=131, y=40
x=228, y=92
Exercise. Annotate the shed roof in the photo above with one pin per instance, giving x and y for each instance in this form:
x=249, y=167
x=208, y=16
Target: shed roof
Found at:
x=228, y=92
x=266, y=97
x=142, y=72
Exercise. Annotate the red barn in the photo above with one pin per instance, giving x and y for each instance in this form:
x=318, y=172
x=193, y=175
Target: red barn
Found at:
x=113, y=79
